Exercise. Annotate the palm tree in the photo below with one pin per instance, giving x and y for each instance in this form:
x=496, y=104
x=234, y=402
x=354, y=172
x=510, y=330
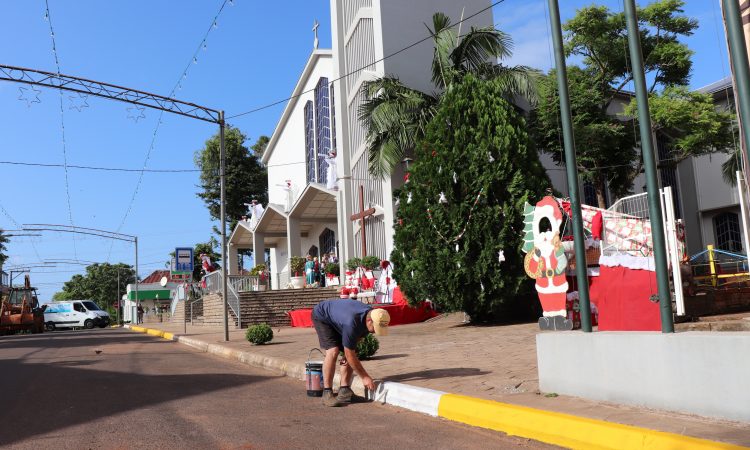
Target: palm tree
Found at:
x=396, y=116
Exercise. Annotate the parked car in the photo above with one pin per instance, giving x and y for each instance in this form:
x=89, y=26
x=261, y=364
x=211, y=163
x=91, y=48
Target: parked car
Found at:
x=75, y=313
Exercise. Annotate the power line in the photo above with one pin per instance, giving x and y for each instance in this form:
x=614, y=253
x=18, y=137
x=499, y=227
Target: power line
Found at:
x=178, y=85
x=113, y=169
x=355, y=71
x=48, y=18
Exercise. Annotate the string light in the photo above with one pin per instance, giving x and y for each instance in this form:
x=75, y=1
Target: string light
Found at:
x=202, y=45
x=22, y=95
x=136, y=112
x=48, y=16
x=78, y=102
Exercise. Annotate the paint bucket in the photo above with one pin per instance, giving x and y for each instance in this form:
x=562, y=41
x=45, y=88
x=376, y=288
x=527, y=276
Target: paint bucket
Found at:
x=314, y=375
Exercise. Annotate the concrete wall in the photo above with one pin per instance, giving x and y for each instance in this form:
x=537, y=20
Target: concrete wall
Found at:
x=403, y=23
x=704, y=373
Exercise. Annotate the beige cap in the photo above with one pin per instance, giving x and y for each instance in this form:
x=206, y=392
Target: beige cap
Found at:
x=380, y=321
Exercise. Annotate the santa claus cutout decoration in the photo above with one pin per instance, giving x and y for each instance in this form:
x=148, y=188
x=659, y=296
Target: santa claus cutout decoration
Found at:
x=546, y=262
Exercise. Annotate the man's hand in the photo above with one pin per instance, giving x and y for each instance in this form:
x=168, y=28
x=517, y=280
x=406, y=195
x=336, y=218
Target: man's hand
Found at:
x=368, y=383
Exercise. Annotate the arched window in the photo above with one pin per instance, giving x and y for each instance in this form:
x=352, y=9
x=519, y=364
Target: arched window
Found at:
x=727, y=226
x=309, y=142
x=322, y=127
x=327, y=241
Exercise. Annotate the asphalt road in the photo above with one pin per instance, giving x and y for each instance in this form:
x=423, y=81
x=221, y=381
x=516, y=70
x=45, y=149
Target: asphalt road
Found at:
x=146, y=392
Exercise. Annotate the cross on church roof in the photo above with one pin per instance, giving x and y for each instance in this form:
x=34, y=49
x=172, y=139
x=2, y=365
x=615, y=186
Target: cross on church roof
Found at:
x=315, y=30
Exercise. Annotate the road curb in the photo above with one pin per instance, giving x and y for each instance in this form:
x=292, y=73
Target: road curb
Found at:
x=540, y=425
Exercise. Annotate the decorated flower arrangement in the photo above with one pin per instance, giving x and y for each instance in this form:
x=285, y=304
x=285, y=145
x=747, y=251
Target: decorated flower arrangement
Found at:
x=297, y=265
x=261, y=271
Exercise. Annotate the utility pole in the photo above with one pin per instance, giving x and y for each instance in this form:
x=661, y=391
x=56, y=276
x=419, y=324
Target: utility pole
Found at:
x=649, y=163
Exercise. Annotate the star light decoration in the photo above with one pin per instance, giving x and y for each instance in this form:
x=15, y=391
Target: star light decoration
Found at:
x=135, y=113
x=78, y=102
x=26, y=96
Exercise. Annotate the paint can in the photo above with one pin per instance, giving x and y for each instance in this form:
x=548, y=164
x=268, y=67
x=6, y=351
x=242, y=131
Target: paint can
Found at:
x=314, y=375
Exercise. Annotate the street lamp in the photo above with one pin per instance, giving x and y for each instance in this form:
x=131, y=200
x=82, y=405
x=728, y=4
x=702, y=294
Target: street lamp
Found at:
x=93, y=232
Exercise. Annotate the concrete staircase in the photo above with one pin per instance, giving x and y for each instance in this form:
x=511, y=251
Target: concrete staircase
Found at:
x=271, y=306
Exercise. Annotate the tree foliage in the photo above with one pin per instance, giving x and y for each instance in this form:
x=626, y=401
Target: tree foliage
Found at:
x=3, y=240
x=99, y=283
x=606, y=136
x=480, y=137
x=260, y=146
x=245, y=176
x=396, y=116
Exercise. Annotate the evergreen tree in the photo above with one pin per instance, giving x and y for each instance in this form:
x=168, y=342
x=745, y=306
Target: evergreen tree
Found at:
x=448, y=252
x=245, y=176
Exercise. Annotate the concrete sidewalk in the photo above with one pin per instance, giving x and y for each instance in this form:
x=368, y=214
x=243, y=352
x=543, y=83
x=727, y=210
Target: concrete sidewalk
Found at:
x=495, y=363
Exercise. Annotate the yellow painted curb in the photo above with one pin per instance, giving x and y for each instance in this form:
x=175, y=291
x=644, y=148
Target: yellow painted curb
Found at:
x=138, y=329
x=154, y=332
x=564, y=429
x=169, y=336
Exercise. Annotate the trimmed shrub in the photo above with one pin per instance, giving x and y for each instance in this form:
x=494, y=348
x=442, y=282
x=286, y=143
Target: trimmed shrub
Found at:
x=371, y=262
x=353, y=263
x=259, y=334
x=367, y=346
x=332, y=268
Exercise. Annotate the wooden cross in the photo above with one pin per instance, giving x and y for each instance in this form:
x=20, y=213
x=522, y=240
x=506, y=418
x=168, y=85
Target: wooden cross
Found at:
x=364, y=213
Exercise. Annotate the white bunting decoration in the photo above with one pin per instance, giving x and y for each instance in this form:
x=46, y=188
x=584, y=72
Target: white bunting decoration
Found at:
x=457, y=248
x=490, y=158
x=398, y=202
x=440, y=169
x=442, y=198
x=458, y=264
x=500, y=256
x=412, y=274
x=455, y=177
x=408, y=197
x=481, y=285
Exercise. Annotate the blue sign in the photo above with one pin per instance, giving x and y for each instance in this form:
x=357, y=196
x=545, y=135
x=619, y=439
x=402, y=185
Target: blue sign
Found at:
x=183, y=259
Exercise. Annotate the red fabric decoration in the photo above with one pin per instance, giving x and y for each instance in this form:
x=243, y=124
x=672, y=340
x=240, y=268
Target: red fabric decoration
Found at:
x=596, y=226
x=622, y=296
x=406, y=177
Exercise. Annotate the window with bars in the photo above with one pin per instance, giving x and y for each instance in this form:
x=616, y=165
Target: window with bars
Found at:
x=728, y=237
x=322, y=127
x=327, y=241
x=309, y=142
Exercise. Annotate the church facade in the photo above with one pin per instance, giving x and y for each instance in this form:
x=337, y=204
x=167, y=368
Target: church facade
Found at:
x=317, y=157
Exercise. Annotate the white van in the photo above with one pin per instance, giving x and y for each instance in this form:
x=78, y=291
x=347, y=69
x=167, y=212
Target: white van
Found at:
x=75, y=313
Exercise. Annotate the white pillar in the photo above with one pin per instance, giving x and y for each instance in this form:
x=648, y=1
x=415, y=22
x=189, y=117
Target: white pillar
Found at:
x=294, y=238
x=259, y=248
x=233, y=258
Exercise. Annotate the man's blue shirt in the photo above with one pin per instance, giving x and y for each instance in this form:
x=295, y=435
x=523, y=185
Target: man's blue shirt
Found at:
x=348, y=317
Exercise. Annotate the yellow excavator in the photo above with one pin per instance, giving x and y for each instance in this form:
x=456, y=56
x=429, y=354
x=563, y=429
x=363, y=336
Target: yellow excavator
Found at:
x=20, y=310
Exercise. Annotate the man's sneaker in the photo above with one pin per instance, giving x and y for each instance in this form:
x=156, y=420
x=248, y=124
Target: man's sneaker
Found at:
x=330, y=400
x=346, y=395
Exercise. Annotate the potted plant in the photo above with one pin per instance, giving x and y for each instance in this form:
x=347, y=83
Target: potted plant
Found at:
x=297, y=271
x=371, y=262
x=332, y=270
x=260, y=271
x=353, y=263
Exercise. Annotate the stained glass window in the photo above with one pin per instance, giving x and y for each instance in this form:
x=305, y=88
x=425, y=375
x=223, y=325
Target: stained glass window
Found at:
x=322, y=127
x=309, y=142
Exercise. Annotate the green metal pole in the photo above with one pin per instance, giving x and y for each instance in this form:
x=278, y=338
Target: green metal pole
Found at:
x=571, y=167
x=222, y=177
x=649, y=163
x=738, y=49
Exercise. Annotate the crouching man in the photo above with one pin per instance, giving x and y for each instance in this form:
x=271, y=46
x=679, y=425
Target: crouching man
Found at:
x=340, y=324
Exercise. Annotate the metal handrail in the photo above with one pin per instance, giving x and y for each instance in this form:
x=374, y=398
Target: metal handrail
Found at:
x=213, y=285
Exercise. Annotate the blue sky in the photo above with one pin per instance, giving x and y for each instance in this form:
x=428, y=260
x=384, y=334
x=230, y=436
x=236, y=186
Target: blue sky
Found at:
x=253, y=57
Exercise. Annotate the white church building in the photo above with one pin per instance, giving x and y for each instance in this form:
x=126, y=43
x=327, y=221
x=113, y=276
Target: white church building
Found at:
x=309, y=212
